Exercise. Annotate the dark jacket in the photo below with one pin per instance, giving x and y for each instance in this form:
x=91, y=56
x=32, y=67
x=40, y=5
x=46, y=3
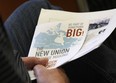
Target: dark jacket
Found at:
x=12, y=69
x=99, y=66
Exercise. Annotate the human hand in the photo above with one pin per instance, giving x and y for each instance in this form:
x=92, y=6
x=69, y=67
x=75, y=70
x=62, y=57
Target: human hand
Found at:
x=30, y=62
x=44, y=75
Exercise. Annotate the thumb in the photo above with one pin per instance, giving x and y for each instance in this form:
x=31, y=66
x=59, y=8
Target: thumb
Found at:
x=40, y=73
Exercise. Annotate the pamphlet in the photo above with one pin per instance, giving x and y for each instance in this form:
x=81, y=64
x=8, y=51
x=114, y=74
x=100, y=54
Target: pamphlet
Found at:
x=63, y=36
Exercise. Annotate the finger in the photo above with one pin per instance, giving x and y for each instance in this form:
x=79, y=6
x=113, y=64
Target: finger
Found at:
x=30, y=62
x=42, y=61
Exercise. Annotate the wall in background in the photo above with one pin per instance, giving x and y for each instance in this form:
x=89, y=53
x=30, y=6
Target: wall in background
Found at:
x=8, y=6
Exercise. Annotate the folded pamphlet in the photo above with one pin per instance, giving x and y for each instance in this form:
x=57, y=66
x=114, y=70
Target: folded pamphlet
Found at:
x=63, y=36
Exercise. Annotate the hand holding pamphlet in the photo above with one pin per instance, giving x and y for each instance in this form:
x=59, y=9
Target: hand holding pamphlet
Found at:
x=65, y=36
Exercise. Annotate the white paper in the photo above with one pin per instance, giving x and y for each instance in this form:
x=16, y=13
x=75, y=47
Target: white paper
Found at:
x=101, y=19
x=58, y=41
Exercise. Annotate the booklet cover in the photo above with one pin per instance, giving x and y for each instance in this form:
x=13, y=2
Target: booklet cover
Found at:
x=59, y=41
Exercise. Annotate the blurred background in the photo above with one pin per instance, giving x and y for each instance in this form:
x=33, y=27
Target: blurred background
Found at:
x=8, y=6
